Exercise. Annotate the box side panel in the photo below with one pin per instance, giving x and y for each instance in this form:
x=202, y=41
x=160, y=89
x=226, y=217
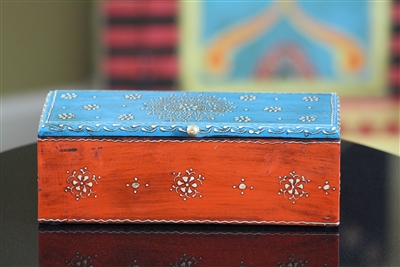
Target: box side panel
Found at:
x=189, y=181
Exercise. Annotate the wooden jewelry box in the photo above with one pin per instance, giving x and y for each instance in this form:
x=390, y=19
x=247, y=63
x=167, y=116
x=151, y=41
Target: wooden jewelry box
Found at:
x=176, y=157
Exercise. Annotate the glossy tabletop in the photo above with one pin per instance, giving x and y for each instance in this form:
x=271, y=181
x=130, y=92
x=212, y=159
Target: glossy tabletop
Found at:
x=368, y=234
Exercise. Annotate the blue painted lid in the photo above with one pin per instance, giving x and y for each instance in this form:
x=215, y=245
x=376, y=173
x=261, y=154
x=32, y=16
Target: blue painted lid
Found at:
x=168, y=114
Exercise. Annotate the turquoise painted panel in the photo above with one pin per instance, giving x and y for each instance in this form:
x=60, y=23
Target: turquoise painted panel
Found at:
x=285, y=44
x=104, y=113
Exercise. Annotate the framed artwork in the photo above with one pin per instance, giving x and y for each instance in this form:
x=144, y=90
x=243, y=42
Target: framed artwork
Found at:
x=297, y=46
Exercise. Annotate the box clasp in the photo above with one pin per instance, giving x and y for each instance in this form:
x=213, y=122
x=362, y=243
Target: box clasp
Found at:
x=192, y=130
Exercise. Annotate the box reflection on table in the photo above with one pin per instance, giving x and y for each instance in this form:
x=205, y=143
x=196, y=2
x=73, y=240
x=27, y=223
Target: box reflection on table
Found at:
x=154, y=246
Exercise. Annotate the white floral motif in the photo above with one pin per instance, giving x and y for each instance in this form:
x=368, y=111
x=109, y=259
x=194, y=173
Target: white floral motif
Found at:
x=243, y=119
x=310, y=98
x=126, y=117
x=133, y=96
x=293, y=187
x=248, y=97
x=65, y=116
x=186, y=261
x=82, y=260
x=307, y=118
x=292, y=262
x=242, y=186
x=135, y=185
x=68, y=95
x=81, y=183
x=186, y=184
x=272, y=109
x=135, y=264
x=188, y=107
x=326, y=187
x=91, y=107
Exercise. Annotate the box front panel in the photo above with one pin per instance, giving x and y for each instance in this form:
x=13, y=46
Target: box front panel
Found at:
x=246, y=181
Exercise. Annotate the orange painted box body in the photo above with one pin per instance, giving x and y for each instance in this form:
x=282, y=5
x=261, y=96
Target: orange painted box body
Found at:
x=175, y=157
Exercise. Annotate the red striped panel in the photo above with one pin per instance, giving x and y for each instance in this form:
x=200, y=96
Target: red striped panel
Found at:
x=152, y=36
x=396, y=12
x=394, y=70
x=140, y=67
x=166, y=8
x=395, y=45
x=394, y=75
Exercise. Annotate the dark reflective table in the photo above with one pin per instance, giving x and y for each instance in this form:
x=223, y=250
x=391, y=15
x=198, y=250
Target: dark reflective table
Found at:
x=368, y=234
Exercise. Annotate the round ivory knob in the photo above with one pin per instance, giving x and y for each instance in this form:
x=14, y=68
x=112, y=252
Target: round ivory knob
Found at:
x=192, y=130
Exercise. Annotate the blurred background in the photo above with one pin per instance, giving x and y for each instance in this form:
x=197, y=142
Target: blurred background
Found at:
x=348, y=47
